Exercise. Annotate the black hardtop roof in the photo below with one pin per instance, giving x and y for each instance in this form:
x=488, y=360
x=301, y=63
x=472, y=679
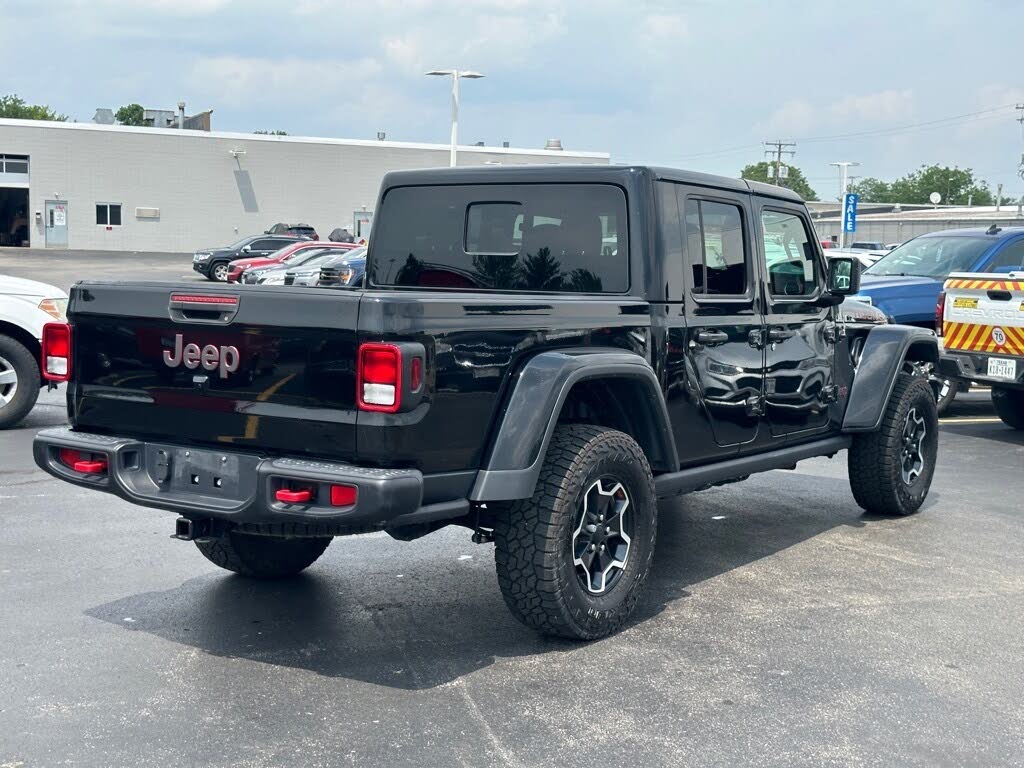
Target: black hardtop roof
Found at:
x=519, y=174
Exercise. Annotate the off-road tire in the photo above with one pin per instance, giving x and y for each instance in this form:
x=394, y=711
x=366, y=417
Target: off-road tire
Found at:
x=875, y=465
x=262, y=557
x=1009, y=405
x=26, y=368
x=533, y=537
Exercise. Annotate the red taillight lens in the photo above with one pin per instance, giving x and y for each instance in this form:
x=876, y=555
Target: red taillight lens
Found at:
x=56, y=352
x=940, y=312
x=379, y=378
x=343, y=495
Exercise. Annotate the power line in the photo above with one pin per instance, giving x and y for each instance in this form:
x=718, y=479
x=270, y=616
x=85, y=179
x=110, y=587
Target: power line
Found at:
x=944, y=122
x=967, y=116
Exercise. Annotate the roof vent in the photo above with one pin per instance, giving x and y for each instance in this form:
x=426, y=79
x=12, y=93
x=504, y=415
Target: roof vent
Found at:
x=554, y=144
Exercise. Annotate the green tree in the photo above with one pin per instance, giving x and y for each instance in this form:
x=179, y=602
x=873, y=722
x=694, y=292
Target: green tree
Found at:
x=872, y=190
x=541, y=272
x=131, y=114
x=14, y=106
x=795, y=179
x=956, y=185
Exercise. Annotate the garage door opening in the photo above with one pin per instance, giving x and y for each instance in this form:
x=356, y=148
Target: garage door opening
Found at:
x=13, y=217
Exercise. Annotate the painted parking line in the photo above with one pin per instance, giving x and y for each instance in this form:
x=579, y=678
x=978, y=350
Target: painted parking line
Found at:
x=968, y=420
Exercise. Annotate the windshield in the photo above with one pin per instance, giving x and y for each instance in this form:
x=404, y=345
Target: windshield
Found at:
x=933, y=257
x=239, y=244
x=302, y=255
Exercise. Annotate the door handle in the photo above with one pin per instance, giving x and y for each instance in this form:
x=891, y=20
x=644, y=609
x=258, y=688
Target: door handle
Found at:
x=780, y=334
x=712, y=338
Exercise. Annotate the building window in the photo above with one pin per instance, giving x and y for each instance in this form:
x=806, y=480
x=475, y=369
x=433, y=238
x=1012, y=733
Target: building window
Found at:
x=13, y=169
x=108, y=214
x=13, y=163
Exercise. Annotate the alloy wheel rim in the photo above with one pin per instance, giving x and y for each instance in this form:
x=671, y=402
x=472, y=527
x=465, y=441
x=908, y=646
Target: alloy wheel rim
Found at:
x=915, y=430
x=220, y=272
x=602, y=539
x=8, y=381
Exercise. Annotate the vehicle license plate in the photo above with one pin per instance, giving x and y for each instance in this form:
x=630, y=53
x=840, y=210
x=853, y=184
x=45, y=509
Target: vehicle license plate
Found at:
x=1001, y=368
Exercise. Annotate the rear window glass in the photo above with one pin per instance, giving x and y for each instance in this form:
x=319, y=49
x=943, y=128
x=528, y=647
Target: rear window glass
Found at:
x=515, y=237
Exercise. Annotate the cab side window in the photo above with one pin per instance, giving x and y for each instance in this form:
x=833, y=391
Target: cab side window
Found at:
x=790, y=255
x=715, y=248
x=1010, y=259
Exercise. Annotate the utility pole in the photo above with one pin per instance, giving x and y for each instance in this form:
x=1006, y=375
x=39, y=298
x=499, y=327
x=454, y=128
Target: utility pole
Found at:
x=844, y=180
x=1020, y=119
x=780, y=148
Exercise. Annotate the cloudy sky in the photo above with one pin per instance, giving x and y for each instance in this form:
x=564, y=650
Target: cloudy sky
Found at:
x=691, y=83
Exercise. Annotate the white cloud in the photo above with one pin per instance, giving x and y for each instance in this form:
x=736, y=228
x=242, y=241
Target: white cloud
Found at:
x=855, y=112
x=240, y=80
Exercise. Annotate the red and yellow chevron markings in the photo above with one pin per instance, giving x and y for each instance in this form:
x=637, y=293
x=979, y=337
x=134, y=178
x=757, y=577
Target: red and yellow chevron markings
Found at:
x=985, y=285
x=972, y=337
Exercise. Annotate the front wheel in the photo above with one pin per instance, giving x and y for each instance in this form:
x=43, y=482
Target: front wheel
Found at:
x=1009, y=405
x=572, y=560
x=19, y=381
x=891, y=469
x=262, y=557
x=218, y=273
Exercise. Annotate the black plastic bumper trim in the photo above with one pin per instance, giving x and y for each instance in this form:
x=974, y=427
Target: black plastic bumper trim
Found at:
x=137, y=473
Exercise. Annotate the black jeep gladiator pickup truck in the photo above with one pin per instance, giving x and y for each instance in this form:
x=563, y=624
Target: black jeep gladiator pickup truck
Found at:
x=538, y=354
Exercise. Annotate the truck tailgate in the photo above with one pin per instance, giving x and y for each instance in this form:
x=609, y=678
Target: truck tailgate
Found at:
x=253, y=368
x=984, y=313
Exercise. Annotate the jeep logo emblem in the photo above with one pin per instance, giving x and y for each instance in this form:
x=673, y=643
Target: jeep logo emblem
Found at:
x=224, y=359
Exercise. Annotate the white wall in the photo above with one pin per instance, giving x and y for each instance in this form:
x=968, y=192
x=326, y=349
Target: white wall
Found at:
x=193, y=179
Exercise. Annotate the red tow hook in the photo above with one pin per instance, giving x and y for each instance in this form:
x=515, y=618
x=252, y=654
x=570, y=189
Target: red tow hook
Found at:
x=300, y=496
x=73, y=459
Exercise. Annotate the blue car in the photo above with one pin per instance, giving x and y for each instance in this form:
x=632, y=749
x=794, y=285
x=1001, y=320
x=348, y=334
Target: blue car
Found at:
x=905, y=284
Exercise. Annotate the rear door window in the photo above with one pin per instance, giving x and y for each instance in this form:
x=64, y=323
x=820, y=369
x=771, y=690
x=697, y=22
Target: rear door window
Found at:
x=716, y=248
x=509, y=237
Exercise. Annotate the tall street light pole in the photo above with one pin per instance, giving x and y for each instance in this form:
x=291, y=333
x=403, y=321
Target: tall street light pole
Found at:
x=844, y=169
x=455, y=75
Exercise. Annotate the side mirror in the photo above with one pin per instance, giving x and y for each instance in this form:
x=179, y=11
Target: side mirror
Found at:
x=843, y=276
x=246, y=248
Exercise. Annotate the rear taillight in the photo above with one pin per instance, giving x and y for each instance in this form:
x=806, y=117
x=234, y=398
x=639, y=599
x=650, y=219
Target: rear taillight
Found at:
x=379, y=378
x=56, y=352
x=940, y=312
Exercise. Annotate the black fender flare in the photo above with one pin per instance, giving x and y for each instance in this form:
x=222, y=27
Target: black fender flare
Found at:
x=886, y=349
x=540, y=389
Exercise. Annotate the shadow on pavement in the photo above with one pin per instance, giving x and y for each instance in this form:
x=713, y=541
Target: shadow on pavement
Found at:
x=438, y=623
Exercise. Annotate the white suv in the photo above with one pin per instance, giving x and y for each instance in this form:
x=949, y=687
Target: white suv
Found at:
x=25, y=307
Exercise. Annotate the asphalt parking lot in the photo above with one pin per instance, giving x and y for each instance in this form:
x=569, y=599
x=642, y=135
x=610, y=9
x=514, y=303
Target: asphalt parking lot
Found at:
x=781, y=626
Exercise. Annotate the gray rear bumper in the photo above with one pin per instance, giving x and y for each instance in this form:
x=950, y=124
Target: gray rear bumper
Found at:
x=241, y=487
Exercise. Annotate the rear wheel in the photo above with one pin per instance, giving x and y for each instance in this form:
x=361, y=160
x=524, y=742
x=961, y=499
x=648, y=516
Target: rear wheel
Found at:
x=19, y=381
x=572, y=560
x=1009, y=405
x=891, y=469
x=262, y=557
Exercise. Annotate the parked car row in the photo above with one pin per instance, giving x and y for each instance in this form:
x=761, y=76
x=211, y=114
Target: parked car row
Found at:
x=226, y=263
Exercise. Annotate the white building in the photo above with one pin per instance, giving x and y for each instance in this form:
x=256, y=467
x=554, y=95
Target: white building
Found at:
x=898, y=226
x=102, y=187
